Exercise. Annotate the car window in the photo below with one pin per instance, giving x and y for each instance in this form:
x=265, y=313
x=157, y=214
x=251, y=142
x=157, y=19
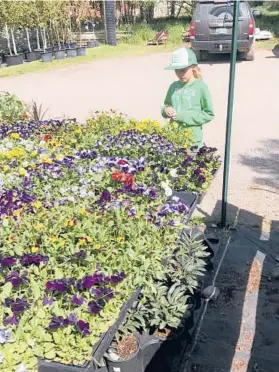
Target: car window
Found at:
x=223, y=11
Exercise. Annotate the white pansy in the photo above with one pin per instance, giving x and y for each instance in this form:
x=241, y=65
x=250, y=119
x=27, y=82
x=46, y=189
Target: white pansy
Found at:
x=173, y=172
x=165, y=186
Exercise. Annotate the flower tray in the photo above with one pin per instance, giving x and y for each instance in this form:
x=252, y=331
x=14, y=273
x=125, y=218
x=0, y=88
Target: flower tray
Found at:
x=200, y=196
x=98, y=350
x=190, y=199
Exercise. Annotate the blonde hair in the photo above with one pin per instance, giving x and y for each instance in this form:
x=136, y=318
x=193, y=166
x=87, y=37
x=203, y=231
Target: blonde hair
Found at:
x=197, y=72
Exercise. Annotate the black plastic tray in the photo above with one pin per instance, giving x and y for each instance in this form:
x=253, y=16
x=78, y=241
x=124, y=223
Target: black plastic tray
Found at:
x=98, y=350
x=190, y=199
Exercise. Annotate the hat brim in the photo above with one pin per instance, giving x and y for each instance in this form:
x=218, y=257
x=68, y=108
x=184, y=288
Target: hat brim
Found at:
x=172, y=67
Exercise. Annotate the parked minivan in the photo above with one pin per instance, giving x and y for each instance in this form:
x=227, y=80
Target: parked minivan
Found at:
x=211, y=28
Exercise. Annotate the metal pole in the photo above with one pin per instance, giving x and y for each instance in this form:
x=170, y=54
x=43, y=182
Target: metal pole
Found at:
x=229, y=114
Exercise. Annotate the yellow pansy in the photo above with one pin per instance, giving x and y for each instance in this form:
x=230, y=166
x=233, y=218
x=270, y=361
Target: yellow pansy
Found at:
x=37, y=204
x=83, y=211
x=78, y=131
x=61, y=244
x=39, y=226
x=34, y=153
x=98, y=246
x=59, y=157
x=53, y=239
x=15, y=135
x=22, y=172
x=34, y=249
x=120, y=239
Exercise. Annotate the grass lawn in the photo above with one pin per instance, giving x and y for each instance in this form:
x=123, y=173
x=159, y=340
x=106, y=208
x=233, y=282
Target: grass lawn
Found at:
x=104, y=52
x=93, y=54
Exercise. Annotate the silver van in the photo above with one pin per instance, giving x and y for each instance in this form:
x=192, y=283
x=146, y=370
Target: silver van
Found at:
x=211, y=28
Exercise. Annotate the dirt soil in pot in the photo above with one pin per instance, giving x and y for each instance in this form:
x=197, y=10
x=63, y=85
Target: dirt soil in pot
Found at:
x=127, y=347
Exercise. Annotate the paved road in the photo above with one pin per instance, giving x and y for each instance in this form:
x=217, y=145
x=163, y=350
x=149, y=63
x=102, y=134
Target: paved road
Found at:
x=137, y=85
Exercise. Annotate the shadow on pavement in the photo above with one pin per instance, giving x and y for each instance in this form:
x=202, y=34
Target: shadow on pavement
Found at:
x=266, y=164
x=240, y=330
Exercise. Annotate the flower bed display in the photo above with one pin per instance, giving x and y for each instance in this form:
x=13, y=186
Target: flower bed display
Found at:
x=87, y=215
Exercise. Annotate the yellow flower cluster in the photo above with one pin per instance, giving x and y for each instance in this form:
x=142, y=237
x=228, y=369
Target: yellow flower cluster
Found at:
x=16, y=152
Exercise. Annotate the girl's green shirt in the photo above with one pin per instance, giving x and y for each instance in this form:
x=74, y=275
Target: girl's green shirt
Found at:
x=193, y=106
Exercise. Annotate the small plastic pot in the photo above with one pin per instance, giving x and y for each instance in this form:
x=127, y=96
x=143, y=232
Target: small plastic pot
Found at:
x=81, y=51
x=156, y=350
x=91, y=44
x=47, y=57
x=59, y=54
x=133, y=364
x=71, y=53
x=73, y=45
x=14, y=60
x=31, y=56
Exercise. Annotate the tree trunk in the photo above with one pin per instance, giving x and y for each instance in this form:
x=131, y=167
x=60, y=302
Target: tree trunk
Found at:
x=110, y=22
x=13, y=40
x=28, y=40
x=45, y=39
x=8, y=39
x=172, y=9
x=38, y=40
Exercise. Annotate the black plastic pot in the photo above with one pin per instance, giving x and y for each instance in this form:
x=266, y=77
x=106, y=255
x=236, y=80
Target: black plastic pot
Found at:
x=71, y=53
x=156, y=351
x=73, y=45
x=31, y=56
x=81, y=51
x=14, y=60
x=39, y=54
x=133, y=364
x=47, y=57
x=59, y=54
x=91, y=44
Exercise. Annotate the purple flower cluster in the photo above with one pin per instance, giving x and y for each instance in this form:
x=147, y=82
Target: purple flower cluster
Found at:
x=98, y=279
x=33, y=259
x=18, y=305
x=15, y=278
x=26, y=129
x=60, y=285
x=57, y=322
x=173, y=205
x=12, y=200
x=7, y=261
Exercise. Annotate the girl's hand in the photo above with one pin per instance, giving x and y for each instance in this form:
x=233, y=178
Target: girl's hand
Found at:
x=170, y=112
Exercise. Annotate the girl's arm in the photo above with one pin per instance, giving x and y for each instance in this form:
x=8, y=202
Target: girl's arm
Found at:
x=167, y=102
x=198, y=118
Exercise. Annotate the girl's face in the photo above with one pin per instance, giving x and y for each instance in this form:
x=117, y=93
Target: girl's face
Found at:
x=185, y=74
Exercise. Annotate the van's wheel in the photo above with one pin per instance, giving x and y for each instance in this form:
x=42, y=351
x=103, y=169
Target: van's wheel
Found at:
x=250, y=55
x=199, y=55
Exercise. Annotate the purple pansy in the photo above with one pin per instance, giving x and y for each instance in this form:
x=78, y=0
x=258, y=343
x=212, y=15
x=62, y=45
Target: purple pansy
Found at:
x=78, y=300
x=59, y=285
x=83, y=327
x=7, y=261
x=47, y=301
x=33, y=259
x=10, y=320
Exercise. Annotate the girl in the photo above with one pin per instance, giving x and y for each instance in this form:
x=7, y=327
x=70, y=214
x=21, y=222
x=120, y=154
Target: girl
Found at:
x=188, y=101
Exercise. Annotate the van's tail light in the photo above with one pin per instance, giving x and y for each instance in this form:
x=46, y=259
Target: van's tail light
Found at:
x=192, y=30
x=251, y=30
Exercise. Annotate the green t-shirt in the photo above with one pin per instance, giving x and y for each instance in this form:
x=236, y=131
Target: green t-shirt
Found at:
x=193, y=106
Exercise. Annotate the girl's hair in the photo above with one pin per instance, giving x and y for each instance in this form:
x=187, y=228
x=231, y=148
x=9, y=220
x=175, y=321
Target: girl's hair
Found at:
x=197, y=72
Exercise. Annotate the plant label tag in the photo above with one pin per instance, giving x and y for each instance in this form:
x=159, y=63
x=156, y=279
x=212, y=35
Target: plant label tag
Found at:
x=116, y=369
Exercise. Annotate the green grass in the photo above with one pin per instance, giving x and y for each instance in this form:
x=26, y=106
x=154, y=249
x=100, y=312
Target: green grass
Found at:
x=93, y=54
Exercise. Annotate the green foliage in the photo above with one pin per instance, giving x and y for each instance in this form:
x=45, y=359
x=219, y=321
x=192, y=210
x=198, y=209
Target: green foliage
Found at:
x=12, y=109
